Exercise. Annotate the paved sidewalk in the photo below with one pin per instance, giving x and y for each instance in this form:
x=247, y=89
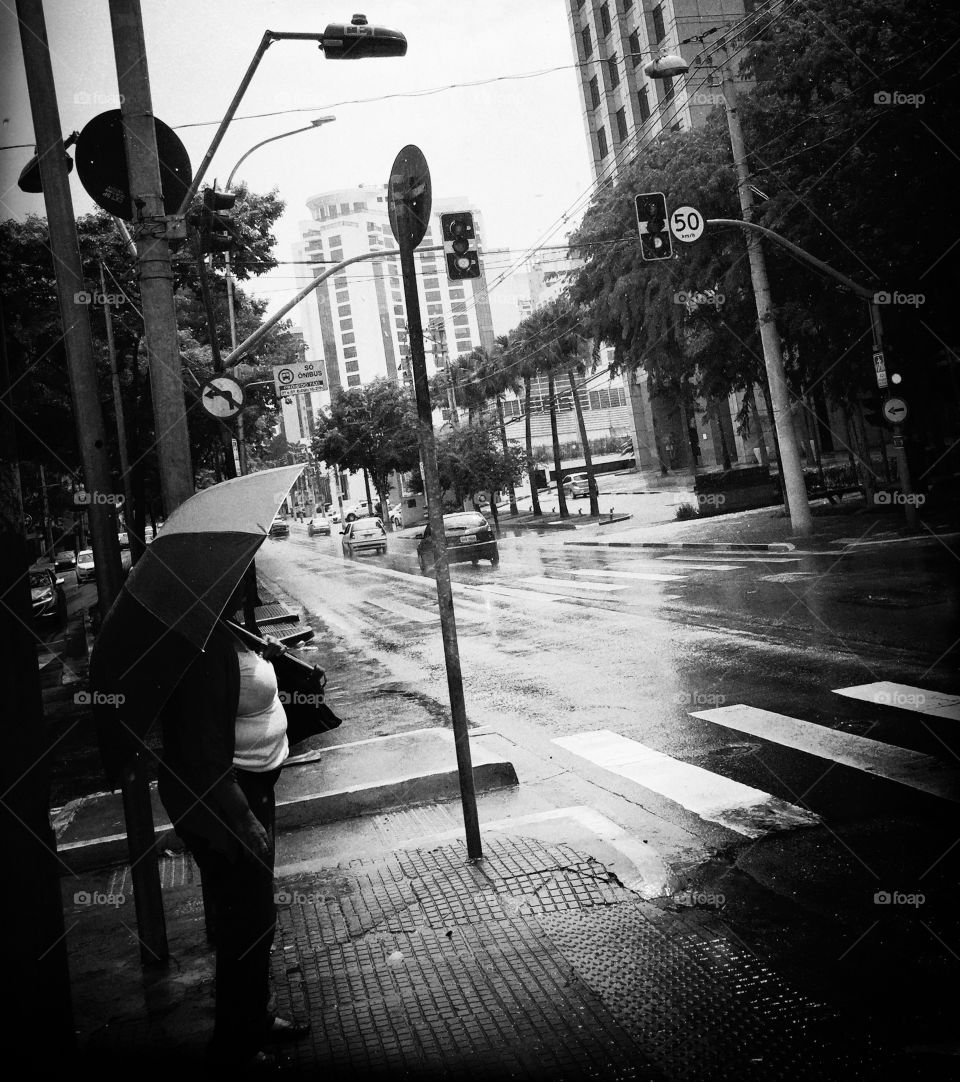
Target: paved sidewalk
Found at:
x=533, y=963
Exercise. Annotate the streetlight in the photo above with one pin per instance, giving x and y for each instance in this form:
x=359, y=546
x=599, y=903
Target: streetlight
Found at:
x=795, y=491
x=229, y=270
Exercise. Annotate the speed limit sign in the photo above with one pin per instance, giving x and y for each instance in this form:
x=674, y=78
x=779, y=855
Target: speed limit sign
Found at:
x=686, y=224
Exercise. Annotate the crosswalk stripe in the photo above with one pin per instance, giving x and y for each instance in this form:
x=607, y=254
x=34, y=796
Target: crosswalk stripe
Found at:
x=912, y=768
x=563, y=584
x=738, y=807
x=887, y=693
x=646, y=576
x=738, y=558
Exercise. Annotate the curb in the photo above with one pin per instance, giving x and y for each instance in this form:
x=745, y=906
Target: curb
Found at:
x=709, y=546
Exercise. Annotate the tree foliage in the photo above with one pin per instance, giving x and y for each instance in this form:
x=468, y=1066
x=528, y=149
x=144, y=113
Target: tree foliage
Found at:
x=471, y=460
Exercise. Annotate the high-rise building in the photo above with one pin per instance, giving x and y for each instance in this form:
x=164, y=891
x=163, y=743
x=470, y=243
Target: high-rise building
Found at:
x=622, y=111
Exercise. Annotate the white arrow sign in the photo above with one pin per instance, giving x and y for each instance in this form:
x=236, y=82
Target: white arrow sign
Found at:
x=686, y=224
x=895, y=410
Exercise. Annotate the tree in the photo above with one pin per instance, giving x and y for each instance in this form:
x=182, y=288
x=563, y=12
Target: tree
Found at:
x=470, y=460
x=372, y=428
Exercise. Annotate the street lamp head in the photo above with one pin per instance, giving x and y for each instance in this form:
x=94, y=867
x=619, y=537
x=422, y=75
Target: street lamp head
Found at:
x=322, y=120
x=666, y=67
x=357, y=40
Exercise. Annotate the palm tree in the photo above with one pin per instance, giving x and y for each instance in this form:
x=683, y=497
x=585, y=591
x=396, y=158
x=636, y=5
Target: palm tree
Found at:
x=496, y=373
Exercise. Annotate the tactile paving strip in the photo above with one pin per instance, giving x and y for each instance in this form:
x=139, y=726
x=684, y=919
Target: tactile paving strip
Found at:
x=534, y=963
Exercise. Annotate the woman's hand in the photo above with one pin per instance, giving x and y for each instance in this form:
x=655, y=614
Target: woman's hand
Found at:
x=253, y=836
x=274, y=648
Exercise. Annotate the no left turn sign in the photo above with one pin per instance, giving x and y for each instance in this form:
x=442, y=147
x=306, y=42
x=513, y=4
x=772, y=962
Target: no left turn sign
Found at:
x=686, y=224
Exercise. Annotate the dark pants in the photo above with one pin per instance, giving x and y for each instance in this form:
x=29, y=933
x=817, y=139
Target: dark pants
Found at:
x=241, y=893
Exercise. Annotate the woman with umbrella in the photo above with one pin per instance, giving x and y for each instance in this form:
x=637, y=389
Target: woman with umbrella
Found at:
x=166, y=651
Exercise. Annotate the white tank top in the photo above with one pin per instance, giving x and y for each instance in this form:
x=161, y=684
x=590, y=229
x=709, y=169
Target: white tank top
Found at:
x=261, y=730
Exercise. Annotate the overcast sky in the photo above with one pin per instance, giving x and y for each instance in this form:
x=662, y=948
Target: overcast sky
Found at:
x=515, y=146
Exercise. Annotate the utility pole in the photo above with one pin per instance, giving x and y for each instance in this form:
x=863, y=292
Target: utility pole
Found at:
x=792, y=476
x=153, y=250
x=74, y=311
x=117, y=403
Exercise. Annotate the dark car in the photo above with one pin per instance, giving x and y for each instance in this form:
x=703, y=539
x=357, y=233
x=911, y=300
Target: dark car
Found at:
x=364, y=535
x=469, y=537
x=65, y=560
x=279, y=528
x=46, y=595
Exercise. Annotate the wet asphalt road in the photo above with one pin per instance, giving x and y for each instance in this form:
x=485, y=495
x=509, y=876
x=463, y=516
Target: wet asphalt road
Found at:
x=561, y=640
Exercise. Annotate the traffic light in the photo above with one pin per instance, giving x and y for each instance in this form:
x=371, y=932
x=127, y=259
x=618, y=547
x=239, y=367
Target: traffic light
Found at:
x=655, y=240
x=460, y=245
x=216, y=228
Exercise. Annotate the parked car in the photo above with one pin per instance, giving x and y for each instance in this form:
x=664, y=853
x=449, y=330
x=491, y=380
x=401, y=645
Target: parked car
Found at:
x=318, y=526
x=279, y=528
x=86, y=572
x=396, y=516
x=469, y=537
x=576, y=485
x=65, y=560
x=47, y=596
x=360, y=510
x=364, y=535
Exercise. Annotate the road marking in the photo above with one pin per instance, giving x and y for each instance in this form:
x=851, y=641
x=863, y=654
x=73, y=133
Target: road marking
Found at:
x=646, y=576
x=912, y=768
x=408, y=612
x=737, y=807
x=564, y=584
x=740, y=560
x=887, y=693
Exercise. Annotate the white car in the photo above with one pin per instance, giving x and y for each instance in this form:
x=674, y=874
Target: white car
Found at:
x=86, y=571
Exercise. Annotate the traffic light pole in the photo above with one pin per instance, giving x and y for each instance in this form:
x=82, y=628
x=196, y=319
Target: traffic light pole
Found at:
x=792, y=479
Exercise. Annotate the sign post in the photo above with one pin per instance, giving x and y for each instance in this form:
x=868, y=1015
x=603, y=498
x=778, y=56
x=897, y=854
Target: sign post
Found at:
x=409, y=201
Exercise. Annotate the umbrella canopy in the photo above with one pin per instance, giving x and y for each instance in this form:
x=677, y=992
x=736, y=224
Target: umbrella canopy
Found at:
x=171, y=601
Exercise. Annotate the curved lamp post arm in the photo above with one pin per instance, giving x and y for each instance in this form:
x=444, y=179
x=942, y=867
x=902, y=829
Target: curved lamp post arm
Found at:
x=273, y=138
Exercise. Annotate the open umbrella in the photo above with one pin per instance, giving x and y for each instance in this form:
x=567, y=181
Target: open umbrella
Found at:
x=171, y=601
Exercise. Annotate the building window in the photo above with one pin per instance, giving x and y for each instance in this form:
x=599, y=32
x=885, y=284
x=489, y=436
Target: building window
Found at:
x=371, y=227
x=613, y=67
x=343, y=297
x=346, y=324
x=349, y=339
x=434, y=309
x=394, y=282
x=350, y=351
x=352, y=366
x=622, y=124
x=337, y=256
x=340, y=283
x=635, y=54
x=595, y=92
x=359, y=208
x=398, y=309
x=335, y=242
x=344, y=208
x=431, y=283
x=511, y=408
x=462, y=332
x=434, y=296
x=460, y=320
x=353, y=381
x=607, y=398
x=373, y=240
x=397, y=298
x=587, y=42
x=331, y=210
x=627, y=5
x=602, y=142
x=643, y=103
x=343, y=310
x=605, y=19
x=657, y=17
x=456, y=294
x=668, y=89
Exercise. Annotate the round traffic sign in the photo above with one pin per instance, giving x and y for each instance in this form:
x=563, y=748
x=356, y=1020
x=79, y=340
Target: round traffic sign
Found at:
x=686, y=224
x=222, y=396
x=409, y=196
x=895, y=410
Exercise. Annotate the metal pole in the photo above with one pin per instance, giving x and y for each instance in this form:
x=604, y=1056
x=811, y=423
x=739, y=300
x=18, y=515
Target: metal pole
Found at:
x=792, y=479
x=117, y=403
x=431, y=483
x=903, y=466
x=156, y=275
x=73, y=298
